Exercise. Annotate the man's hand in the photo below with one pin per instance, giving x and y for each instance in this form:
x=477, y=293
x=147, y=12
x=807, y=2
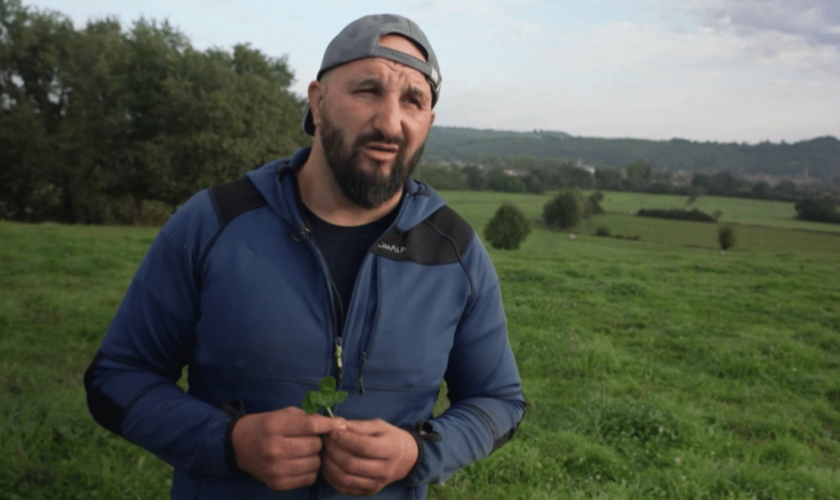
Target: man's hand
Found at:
x=282, y=448
x=367, y=456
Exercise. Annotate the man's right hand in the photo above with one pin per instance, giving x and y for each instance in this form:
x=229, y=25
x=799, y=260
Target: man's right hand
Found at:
x=281, y=448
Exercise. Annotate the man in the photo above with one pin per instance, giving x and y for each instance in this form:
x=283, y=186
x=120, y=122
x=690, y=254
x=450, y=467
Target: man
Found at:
x=333, y=262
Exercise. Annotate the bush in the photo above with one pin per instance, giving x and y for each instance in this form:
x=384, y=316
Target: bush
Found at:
x=602, y=231
x=593, y=205
x=822, y=210
x=726, y=237
x=565, y=210
x=675, y=213
x=508, y=228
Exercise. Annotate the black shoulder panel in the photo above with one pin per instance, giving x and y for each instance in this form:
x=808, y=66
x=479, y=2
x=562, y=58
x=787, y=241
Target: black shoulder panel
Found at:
x=440, y=239
x=235, y=198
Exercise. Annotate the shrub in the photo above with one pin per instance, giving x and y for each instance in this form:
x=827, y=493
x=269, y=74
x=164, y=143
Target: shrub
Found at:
x=508, y=228
x=726, y=237
x=675, y=213
x=593, y=205
x=602, y=231
x=823, y=210
x=565, y=210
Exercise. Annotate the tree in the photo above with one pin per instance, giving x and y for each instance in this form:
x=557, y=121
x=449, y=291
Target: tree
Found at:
x=608, y=179
x=34, y=50
x=565, y=210
x=498, y=180
x=101, y=117
x=761, y=190
x=441, y=177
x=638, y=176
x=726, y=237
x=593, y=203
x=818, y=210
x=508, y=228
x=476, y=178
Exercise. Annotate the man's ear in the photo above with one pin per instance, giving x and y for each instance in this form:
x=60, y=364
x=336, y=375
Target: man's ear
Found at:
x=315, y=93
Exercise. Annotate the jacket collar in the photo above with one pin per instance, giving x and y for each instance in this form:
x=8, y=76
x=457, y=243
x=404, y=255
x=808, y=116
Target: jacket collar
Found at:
x=277, y=183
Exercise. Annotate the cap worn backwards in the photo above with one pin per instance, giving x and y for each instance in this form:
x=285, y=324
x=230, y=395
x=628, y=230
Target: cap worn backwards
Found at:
x=360, y=39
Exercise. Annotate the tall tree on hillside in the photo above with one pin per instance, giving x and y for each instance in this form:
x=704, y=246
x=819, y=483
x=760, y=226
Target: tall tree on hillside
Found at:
x=95, y=117
x=608, y=179
x=638, y=176
x=196, y=119
x=33, y=99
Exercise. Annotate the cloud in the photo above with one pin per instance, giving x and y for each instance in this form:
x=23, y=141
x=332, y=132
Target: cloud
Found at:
x=480, y=19
x=625, y=79
x=799, y=36
x=816, y=21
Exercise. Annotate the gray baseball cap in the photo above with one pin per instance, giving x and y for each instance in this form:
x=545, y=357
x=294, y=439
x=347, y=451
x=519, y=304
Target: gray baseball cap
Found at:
x=360, y=39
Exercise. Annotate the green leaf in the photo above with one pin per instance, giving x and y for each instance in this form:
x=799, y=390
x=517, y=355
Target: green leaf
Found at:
x=308, y=405
x=327, y=384
x=324, y=398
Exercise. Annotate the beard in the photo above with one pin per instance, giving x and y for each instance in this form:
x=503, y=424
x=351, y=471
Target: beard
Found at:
x=365, y=189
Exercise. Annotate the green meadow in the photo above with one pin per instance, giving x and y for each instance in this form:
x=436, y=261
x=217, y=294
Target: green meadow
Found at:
x=652, y=368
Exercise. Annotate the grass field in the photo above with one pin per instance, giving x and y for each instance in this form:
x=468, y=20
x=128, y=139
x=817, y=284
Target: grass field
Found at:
x=657, y=368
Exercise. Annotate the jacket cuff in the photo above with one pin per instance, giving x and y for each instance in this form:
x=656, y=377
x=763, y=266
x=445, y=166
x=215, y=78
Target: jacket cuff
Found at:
x=421, y=432
x=234, y=409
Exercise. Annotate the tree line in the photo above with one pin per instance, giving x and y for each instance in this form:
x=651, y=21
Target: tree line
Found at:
x=817, y=158
x=528, y=175
x=98, y=121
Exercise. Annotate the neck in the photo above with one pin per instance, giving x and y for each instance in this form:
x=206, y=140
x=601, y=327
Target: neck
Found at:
x=321, y=194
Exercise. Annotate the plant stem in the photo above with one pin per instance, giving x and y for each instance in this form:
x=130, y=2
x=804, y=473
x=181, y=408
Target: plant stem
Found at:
x=330, y=411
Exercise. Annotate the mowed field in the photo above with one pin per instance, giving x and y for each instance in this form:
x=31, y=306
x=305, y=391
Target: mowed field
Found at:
x=654, y=368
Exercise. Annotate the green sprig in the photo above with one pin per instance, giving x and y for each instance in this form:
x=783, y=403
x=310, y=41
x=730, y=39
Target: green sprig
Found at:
x=326, y=397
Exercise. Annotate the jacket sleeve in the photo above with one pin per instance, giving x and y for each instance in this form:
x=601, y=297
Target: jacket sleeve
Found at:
x=484, y=388
x=131, y=384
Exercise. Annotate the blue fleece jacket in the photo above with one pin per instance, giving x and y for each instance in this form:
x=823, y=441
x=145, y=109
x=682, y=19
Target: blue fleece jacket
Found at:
x=246, y=305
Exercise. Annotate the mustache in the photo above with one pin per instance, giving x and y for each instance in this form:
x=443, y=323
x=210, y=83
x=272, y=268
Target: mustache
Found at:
x=377, y=136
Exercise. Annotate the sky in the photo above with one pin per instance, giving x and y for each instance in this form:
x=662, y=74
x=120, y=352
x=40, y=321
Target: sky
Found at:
x=703, y=70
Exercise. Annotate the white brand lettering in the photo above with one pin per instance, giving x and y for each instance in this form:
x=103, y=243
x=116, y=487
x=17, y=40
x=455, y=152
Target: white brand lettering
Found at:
x=391, y=248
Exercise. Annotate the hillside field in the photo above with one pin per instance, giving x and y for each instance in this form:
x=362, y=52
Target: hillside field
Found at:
x=656, y=368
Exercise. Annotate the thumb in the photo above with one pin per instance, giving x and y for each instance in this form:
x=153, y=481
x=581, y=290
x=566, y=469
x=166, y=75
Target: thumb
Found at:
x=319, y=424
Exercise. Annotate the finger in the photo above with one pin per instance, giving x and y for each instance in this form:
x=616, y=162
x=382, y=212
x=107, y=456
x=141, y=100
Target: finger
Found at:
x=349, y=483
x=296, y=447
x=308, y=425
x=337, y=458
x=358, y=445
x=290, y=482
x=296, y=467
x=368, y=427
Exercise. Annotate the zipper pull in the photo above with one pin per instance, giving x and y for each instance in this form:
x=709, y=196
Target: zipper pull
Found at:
x=338, y=352
x=361, y=380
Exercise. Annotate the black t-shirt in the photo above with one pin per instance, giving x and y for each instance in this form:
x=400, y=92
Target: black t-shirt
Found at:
x=344, y=248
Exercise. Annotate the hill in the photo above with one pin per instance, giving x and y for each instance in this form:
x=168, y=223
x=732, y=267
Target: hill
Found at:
x=816, y=158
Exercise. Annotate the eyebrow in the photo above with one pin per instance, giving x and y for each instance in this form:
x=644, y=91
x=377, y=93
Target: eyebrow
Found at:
x=417, y=93
x=412, y=90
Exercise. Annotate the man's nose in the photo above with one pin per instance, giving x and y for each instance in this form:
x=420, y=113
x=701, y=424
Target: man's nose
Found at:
x=388, y=118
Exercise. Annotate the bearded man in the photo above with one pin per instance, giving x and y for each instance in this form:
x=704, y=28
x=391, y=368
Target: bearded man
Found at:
x=333, y=262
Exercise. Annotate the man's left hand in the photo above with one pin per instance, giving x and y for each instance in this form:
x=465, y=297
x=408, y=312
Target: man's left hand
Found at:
x=367, y=456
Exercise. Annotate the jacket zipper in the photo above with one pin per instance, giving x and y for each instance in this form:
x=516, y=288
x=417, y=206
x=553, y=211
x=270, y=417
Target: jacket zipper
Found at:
x=338, y=341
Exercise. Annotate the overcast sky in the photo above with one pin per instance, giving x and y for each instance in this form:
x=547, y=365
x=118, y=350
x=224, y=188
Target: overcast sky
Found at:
x=704, y=70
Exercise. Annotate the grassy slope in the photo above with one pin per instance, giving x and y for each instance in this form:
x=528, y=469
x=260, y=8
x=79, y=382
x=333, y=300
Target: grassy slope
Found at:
x=663, y=368
x=633, y=355
x=60, y=287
